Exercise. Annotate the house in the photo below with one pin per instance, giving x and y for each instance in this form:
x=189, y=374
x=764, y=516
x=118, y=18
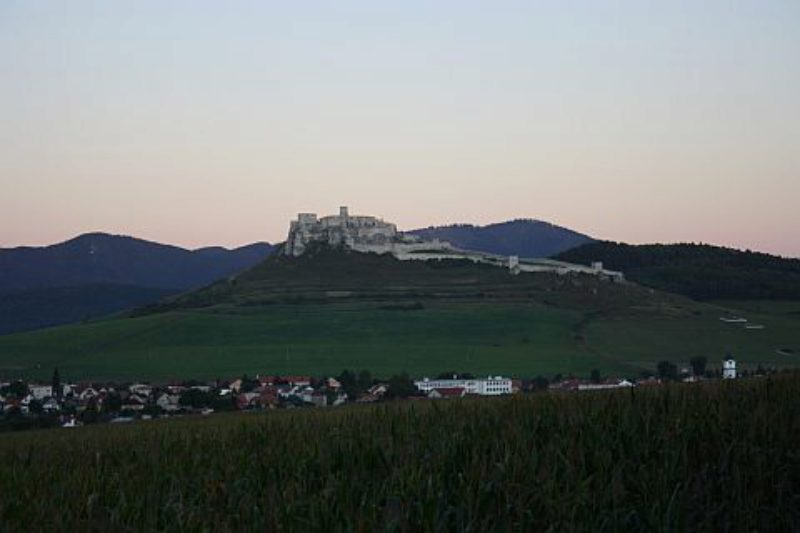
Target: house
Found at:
x=297, y=381
x=570, y=384
x=40, y=392
x=169, y=402
x=368, y=398
x=134, y=402
x=378, y=390
x=451, y=392
x=729, y=368
x=51, y=405
x=248, y=400
x=318, y=398
x=87, y=394
x=305, y=393
x=610, y=383
x=333, y=384
x=141, y=389
x=175, y=389
x=649, y=382
x=269, y=396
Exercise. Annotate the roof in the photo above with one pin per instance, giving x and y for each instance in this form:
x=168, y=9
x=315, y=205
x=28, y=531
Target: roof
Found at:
x=450, y=391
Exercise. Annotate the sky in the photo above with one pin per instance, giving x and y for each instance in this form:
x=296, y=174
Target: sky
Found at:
x=213, y=123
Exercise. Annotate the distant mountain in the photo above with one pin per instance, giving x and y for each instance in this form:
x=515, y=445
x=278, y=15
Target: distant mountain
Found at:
x=99, y=258
x=699, y=271
x=525, y=238
x=96, y=274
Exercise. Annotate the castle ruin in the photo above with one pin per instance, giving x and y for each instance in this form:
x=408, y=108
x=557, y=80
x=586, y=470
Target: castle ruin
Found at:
x=369, y=234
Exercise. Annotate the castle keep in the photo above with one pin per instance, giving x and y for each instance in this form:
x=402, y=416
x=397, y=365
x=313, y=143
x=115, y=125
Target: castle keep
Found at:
x=339, y=230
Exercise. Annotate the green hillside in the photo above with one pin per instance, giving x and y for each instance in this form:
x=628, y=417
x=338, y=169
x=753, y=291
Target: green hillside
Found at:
x=319, y=314
x=698, y=271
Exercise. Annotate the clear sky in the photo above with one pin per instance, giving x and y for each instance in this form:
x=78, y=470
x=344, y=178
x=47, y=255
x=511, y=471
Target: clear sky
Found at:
x=200, y=123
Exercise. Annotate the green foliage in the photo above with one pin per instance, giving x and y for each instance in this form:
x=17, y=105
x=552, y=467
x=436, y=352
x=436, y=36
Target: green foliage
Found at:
x=401, y=386
x=699, y=271
x=667, y=370
x=711, y=456
x=56, y=383
x=17, y=389
x=698, y=363
x=196, y=398
x=112, y=403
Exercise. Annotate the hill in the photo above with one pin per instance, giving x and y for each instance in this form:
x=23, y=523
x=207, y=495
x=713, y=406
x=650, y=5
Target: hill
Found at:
x=332, y=309
x=698, y=271
x=113, y=259
x=97, y=274
x=522, y=237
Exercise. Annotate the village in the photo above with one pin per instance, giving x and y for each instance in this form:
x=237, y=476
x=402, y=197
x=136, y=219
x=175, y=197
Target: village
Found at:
x=57, y=404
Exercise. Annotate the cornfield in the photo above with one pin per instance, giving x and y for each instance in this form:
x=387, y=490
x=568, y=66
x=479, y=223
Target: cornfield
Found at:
x=714, y=456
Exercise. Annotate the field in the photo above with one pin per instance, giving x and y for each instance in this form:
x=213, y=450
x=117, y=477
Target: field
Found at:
x=716, y=456
x=519, y=339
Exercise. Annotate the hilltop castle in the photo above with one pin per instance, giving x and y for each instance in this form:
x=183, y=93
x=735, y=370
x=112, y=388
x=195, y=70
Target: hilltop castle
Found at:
x=360, y=233
x=373, y=235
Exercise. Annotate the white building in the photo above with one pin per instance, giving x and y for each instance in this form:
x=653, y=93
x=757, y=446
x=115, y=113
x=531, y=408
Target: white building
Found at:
x=729, y=368
x=490, y=386
x=40, y=392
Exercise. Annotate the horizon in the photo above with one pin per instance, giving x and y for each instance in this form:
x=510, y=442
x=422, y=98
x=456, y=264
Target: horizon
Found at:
x=197, y=124
x=468, y=224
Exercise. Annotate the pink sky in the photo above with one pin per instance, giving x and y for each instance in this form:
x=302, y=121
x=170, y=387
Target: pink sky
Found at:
x=197, y=124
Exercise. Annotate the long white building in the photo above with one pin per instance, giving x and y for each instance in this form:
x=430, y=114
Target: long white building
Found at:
x=490, y=386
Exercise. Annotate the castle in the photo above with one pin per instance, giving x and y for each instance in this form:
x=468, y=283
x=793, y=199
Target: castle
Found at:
x=373, y=235
x=360, y=233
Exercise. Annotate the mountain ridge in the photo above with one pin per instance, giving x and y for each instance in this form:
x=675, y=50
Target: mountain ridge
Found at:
x=525, y=237
x=99, y=257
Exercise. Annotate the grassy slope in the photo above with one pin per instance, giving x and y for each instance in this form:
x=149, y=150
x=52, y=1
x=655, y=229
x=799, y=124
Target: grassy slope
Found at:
x=522, y=339
x=329, y=311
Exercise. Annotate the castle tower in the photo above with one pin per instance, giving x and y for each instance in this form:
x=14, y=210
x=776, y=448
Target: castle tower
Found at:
x=343, y=212
x=729, y=368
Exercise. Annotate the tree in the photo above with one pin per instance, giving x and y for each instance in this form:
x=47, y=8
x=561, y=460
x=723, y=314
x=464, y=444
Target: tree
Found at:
x=90, y=415
x=401, y=386
x=248, y=385
x=667, y=370
x=594, y=376
x=35, y=407
x=56, y=384
x=112, y=403
x=19, y=389
x=539, y=383
x=350, y=383
x=698, y=365
x=364, y=380
x=196, y=398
